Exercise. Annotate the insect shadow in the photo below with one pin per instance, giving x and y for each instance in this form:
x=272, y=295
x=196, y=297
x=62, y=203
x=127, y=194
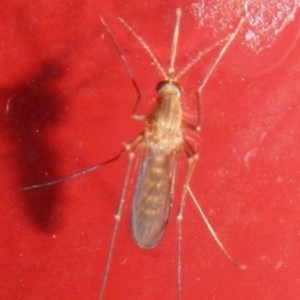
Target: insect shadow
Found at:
x=159, y=145
x=32, y=106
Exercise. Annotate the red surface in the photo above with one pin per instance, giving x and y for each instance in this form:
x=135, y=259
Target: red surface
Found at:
x=66, y=104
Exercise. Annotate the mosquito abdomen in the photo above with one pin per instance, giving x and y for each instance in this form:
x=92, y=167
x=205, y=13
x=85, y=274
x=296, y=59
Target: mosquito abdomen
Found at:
x=152, y=197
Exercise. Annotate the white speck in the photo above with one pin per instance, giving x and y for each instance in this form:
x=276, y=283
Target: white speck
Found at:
x=249, y=35
x=279, y=265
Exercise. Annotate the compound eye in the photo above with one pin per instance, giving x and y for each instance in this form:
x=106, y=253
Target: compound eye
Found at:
x=161, y=84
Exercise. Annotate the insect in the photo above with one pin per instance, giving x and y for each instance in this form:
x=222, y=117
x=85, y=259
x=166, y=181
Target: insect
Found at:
x=160, y=144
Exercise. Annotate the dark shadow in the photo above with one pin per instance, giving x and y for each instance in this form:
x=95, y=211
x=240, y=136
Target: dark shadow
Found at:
x=32, y=107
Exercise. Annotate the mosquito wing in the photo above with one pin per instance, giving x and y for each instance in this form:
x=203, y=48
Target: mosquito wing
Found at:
x=153, y=195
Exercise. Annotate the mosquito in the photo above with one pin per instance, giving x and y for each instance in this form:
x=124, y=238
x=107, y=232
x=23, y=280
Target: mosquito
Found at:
x=160, y=144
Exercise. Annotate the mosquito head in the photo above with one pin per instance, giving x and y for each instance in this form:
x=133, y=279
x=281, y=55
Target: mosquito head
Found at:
x=168, y=87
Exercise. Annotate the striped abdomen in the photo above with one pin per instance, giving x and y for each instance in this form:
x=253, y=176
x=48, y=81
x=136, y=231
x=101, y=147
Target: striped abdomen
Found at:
x=152, y=197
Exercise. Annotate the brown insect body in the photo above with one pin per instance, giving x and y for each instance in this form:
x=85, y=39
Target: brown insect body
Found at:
x=160, y=144
x=156, y=176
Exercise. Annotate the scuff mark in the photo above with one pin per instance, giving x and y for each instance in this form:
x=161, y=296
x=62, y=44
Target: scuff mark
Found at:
x=253, y=152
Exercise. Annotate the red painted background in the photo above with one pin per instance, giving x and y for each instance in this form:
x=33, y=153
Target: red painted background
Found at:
x=66, y=104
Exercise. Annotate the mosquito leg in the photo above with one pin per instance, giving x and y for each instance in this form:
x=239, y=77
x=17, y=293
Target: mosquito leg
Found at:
x=213, y=67
x=77, y=174
x=131, y=149
x=116, y=224
x=135, y=115
x=212, y=232
x=192, y=159
x=227, y=41
x=89, y=170
x=192, y=162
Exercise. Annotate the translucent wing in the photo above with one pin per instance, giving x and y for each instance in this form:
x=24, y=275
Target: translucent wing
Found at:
x=153, y=195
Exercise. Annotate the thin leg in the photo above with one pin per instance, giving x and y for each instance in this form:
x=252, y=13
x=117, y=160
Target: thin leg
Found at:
x=228, y=41
x=213, y=67
x=89, y=170
x=128, y=70
x=77, y=174
x=212, y=232
x=192, y=159
x=116, y=226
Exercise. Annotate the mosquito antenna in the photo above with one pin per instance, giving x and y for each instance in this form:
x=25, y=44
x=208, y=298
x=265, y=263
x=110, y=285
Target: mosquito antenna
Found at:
x=146, y=47
x=229, y=39
x=171, y=70
x=199, y=56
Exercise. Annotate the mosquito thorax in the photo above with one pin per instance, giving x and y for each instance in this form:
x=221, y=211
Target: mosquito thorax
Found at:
x=169, y=87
